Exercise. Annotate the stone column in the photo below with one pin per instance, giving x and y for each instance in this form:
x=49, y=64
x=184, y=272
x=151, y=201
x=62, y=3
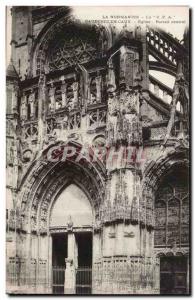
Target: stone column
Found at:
x=75, y=99
x=71, y=262
x=52, y=98
x=42, y=109
x=64, y=96
x=38, y=285
x=28, y=257
x=96, y=245
x=98, y=81
x=49, y=270
x=15, y=92
x=124, y=268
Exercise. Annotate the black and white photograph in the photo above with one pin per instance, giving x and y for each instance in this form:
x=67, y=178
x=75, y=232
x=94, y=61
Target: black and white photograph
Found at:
x=98, y=111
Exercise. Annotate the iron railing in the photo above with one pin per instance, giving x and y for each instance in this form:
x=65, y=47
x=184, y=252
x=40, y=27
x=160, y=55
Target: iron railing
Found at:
x=83, y=280
x=58, y=277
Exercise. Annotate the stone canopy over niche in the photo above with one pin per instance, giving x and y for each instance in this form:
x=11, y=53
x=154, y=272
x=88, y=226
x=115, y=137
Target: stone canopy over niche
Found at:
x=71, y=205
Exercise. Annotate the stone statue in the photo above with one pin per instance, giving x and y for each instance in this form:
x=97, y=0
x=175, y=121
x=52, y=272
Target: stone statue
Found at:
x=23, y=108
x=31, y=101
x=52, y=96
x=98, y=81
x=75, y=87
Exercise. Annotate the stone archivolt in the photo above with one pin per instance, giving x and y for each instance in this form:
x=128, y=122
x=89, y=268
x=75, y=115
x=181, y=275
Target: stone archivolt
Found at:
x=48, y=178
x=94, y=89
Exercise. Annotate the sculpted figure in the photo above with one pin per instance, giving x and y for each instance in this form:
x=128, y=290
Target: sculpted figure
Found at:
x=23, y=108
x=75, y=87
x=52, y=97
x=31, y=101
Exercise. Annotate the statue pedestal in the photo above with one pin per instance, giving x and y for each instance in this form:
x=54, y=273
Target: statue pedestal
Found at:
x=69, y=283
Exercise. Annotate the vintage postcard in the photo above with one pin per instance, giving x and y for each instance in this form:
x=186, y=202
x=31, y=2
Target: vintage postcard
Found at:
x=98, y=143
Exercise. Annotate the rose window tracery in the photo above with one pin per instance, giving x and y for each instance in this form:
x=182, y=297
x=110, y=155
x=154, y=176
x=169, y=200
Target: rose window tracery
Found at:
x=72, y=49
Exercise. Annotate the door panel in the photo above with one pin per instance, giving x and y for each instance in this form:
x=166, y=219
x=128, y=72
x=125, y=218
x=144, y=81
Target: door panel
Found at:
x=84, y=270
x=58, y=277
x=173, y=275
x=59, y=253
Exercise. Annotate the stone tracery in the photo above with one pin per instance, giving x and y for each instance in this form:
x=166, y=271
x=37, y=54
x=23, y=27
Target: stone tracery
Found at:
x=73, y=95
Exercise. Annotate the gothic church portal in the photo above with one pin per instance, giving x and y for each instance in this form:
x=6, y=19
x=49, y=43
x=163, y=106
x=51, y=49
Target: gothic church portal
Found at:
x=94, y=226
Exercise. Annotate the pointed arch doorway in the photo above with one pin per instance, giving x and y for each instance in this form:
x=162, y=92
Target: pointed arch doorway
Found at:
x=171, y=236
x=71, y=230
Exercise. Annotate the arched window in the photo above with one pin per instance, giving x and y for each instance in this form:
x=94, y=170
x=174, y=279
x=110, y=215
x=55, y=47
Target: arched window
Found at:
x=74, y=45
x=160, y=222
x=172, y=211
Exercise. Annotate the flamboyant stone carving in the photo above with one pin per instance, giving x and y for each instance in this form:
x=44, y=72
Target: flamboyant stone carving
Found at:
x=89, y=89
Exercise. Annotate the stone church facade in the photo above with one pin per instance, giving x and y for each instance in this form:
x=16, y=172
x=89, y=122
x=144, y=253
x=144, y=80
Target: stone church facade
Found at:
x=112, y=217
